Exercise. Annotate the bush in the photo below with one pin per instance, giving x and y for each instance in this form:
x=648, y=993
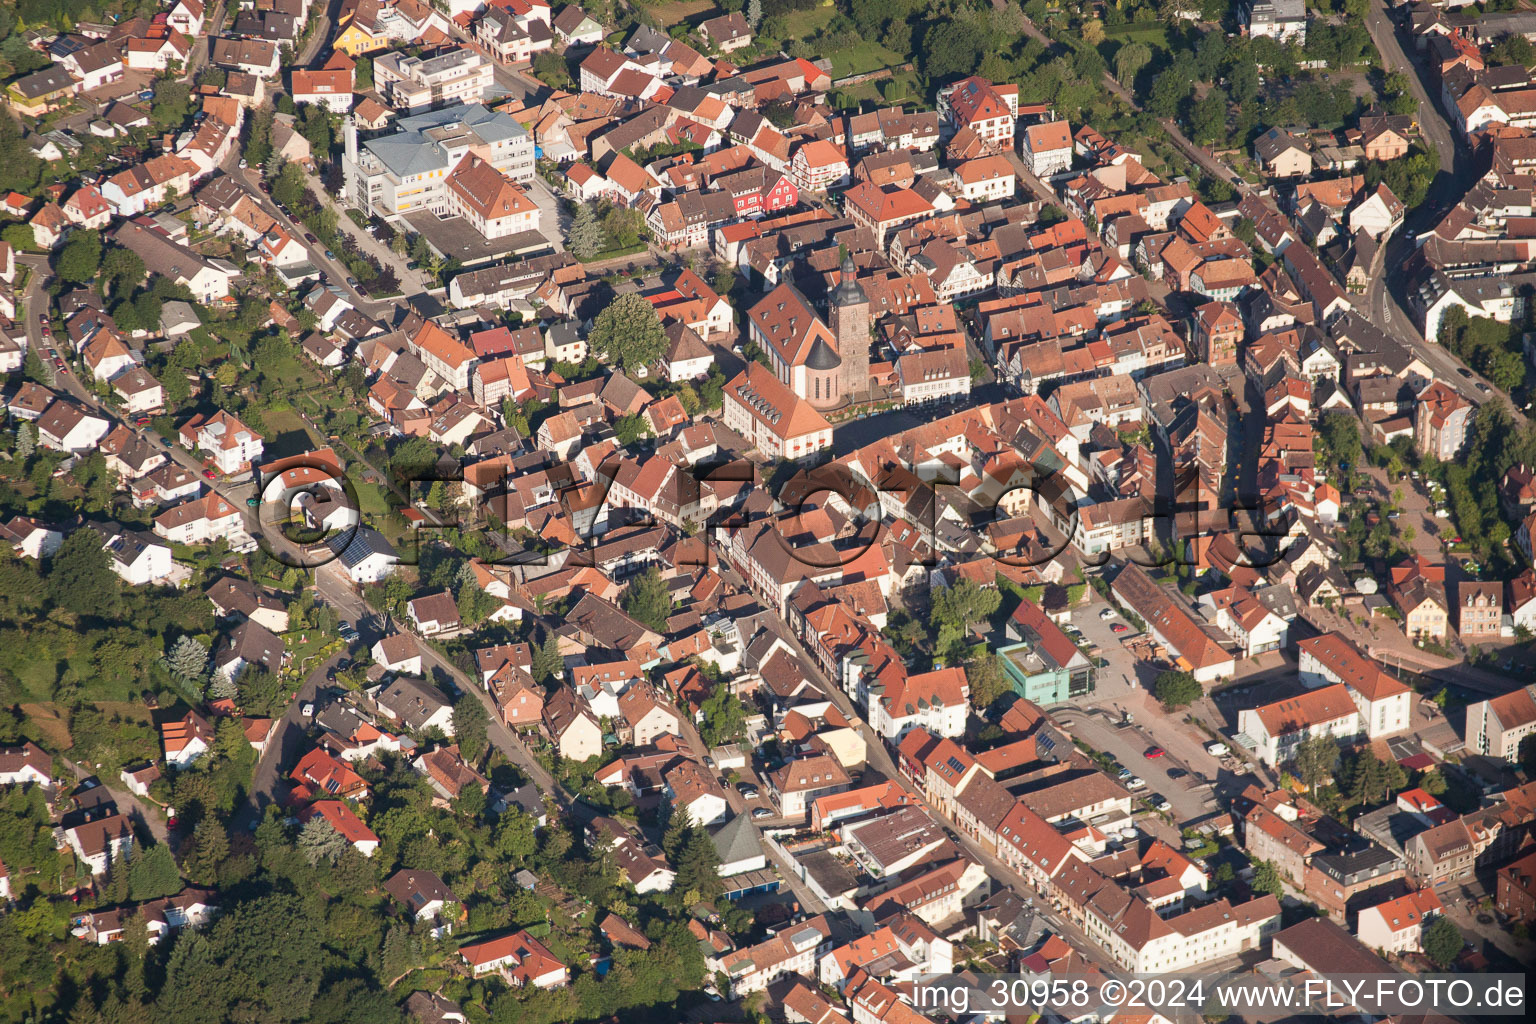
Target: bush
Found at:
x=1176, y=689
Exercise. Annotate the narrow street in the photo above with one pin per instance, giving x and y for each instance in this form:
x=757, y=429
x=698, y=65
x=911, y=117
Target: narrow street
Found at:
x=336, y=272
x=1433, y=126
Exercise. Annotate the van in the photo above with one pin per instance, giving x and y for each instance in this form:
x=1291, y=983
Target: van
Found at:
x=1216, y=748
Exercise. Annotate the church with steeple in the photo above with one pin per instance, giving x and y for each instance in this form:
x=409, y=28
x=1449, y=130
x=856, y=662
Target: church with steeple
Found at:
x=824, y=360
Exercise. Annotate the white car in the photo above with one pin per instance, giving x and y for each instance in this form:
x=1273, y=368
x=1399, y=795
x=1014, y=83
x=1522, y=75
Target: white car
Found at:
x=1135, y=782
x=308, y=711
x=1107, y=614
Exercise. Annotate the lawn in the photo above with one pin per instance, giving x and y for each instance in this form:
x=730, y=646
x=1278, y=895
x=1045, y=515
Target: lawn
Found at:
x=866, y=56
x=371, y=500
x=671, y=13
x=50, y=727
x=288, y=434
x=306, y=648
x=1153, y=35
x=901, y=88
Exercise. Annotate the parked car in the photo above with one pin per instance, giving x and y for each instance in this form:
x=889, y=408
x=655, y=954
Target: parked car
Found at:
x=1107, y=614
x=351, y=282
x=1135, y=782
x=209, y=474
x=329, y=255
x=1177, y=773
x=1159, y=801
x=1119, y=627
x=266, y=186
x=761, y=812
x=147, y=94
x=1153, y=752
x=310, y=237
x=746, y=789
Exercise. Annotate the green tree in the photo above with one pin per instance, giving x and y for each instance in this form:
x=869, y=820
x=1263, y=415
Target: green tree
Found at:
x=188, y=660
x=629, y=332
x=629, y=429
x=585, y=238
x=316, y=129
x=26, y=439
x=623, y=226
x=318, y=840
x=258, y=147
x=516, y=836
x=19, y=237
x=1442, y=942
x=964, y=604
x=80, y=577
x=987, y=680
x=550, y=68
x=469, y=727
x=1315, y=759
x=121, y=270
x=952, y=48
x=1176, y=689
x=547, y=662
x=79, y=259
x=648, y=600
x=152, y=874
x=172, y=104
x=725, y=717
x=262, y=960
x=1129, y=61
x=696, y=860
x=1266, y=879
x=1208, y=119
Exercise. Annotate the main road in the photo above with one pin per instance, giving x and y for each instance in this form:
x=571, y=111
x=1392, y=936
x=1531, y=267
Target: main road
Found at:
x=1384, y=308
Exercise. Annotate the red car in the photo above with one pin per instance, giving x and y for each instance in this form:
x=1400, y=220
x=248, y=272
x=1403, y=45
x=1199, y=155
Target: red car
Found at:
x=1154, y=752
x=208, y=474
x=1119, y=627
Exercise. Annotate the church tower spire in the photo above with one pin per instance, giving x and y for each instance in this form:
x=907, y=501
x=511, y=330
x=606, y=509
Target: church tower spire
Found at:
x=848, y=314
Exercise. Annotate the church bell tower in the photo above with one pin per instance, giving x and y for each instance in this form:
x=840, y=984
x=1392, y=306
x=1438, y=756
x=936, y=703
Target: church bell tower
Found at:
x=848, y=316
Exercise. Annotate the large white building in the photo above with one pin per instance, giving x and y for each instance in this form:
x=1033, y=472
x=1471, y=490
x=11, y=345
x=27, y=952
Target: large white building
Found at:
x=1274, y=731
x=416, y=83
x=407, y=171
x=1384, y=703
x=1496, y=727
x=1280, y=20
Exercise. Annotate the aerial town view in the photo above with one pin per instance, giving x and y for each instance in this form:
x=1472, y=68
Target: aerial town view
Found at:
x=745, y=511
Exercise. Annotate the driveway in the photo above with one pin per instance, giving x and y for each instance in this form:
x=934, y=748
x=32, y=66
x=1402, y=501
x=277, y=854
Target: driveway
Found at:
x=283, y=747
x=138, y=811
x=554, y=220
